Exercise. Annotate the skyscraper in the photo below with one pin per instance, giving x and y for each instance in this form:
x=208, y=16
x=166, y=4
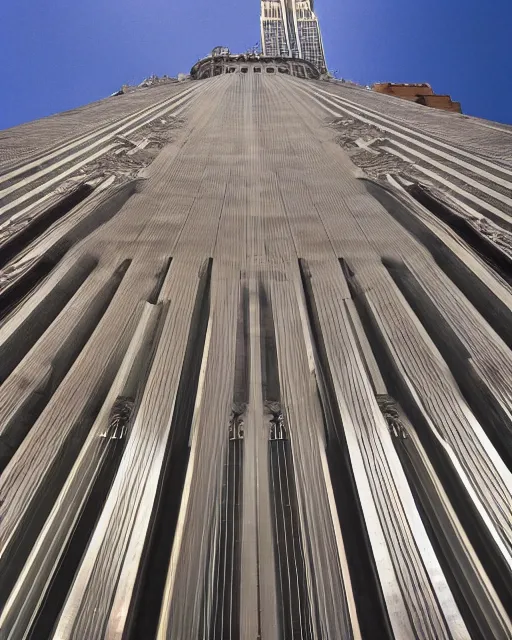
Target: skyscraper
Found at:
x=290, y=28
x=255, y=364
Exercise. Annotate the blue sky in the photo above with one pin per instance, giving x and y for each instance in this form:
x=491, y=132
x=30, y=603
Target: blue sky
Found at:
x=59, y=54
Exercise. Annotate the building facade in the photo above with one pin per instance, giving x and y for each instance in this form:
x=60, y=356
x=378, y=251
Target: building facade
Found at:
x=289, y=28
x=419, y=93
x=255, y=365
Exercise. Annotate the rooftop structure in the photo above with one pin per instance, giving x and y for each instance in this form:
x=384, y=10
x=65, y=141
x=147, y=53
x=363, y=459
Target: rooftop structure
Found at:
x=218, y=64
x=419, y=93
x=255, y=365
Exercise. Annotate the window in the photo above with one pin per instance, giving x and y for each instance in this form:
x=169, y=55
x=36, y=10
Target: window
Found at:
x=257, y=69
x=244, y=69
x=270, y=70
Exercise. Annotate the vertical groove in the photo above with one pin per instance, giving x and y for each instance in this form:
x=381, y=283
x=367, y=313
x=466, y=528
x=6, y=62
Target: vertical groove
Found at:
x=270, y=371
x=497, y=314
x=242, y=364
x=56, y=595
x=14, y=555
x=99, y=462
x=13, y=432
x=495, y=422
x=474, y=598
x=294, y=608
x=487, y=250
x=161, y=276
x=19, y=343
x=22, y=275
x=371, y=608
x=225, y=623
x=145, y=606
x=466, y=512
x=18, y=241
x=225, y=607
x=12, y=295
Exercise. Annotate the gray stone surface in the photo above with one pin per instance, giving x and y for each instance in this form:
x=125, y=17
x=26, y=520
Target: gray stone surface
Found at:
x=290, y=257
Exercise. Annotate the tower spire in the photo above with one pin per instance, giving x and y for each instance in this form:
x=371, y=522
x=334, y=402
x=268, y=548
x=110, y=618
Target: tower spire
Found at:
x=290, y=28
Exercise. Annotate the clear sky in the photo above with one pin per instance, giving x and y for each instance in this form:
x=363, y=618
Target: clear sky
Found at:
x=59, y=54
